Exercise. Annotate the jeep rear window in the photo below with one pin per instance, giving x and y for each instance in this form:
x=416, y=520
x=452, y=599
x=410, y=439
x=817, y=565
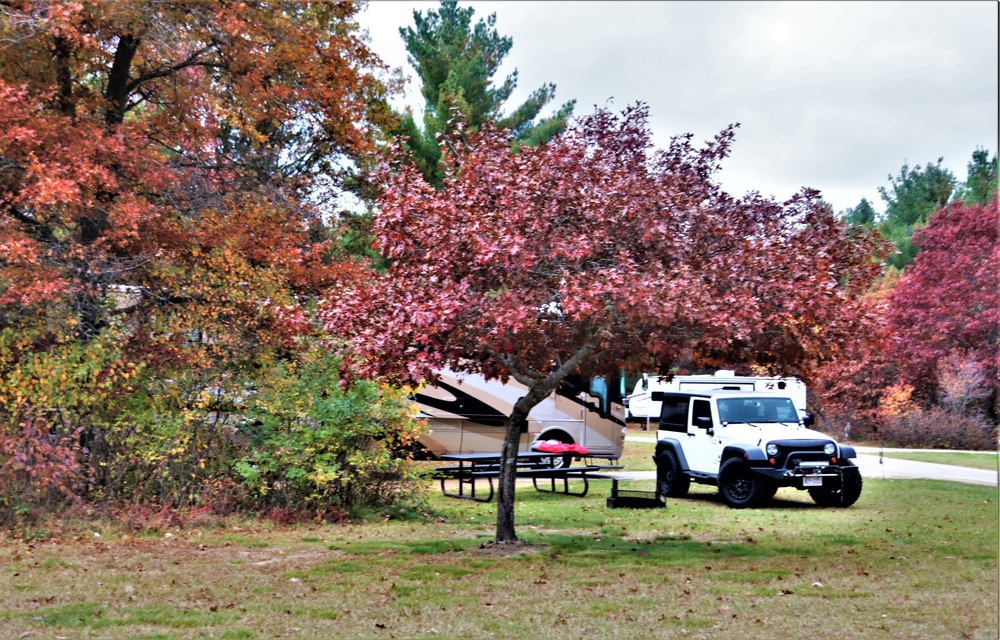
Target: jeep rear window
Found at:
x=674, y=414
x=752, y=410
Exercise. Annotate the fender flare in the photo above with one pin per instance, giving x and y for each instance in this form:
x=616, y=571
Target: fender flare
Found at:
x=670, y=444
x=749, y=452
x=847, y=451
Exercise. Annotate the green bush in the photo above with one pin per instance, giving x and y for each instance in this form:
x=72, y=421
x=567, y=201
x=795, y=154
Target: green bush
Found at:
x=320, y=446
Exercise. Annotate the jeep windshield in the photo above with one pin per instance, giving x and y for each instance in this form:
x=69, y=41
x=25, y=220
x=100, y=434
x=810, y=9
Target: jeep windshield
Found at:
x=757, y=410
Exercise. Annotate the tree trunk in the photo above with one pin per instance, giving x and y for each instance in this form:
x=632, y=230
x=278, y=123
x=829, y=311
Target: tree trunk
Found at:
x=508, y=473
x=538, y=390
x=508, y=455
x=117, y=90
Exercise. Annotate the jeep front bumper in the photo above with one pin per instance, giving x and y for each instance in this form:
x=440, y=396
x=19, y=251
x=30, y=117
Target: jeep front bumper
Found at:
x=804, y=475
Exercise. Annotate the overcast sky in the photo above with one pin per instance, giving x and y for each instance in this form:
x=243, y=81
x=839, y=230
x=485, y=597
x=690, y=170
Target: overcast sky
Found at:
x=830, y=95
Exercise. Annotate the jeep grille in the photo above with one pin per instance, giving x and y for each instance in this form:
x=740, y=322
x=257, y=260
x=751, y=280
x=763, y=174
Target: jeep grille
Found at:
x=791, y=452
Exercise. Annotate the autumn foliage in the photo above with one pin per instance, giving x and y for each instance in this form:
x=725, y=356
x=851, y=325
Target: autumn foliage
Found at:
x=925, y=372
x=527, y=257
x=595, y=252
x=163, y=175
x=947, y=306
x=176, y=309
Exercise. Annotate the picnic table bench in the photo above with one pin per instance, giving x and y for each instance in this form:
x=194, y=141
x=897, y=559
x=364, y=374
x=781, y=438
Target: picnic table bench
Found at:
x=473, y=468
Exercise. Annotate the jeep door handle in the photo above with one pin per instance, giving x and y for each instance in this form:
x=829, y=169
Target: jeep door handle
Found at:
x=691, y=435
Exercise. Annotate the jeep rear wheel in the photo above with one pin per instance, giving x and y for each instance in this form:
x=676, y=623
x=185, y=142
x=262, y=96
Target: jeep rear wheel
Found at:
x=672, y=482
x=739, y=486
x=840, y=496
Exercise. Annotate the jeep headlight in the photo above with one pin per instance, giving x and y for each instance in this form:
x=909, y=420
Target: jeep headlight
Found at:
x=830, y=449
x=771, y=449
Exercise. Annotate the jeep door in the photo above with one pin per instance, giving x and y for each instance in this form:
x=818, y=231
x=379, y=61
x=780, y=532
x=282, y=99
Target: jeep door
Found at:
x=703, y=448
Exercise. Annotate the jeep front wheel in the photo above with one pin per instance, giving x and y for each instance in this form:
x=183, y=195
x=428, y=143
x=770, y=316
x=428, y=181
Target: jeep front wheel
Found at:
x=739, y=486
x=672, y=482
x=843, y=496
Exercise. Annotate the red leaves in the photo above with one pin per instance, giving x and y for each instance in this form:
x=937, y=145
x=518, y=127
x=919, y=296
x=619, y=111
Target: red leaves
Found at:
x=525, y=257
x=948, y=301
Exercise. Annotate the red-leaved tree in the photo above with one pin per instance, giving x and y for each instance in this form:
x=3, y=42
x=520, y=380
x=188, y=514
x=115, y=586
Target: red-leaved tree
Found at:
x=592, y=253
x=848, y=388
x=947, y=305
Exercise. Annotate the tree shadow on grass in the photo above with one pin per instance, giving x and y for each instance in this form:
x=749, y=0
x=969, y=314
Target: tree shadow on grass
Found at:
x=777, y=502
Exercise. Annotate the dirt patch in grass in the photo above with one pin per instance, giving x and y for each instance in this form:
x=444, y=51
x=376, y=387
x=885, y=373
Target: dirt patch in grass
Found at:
x=493, y=549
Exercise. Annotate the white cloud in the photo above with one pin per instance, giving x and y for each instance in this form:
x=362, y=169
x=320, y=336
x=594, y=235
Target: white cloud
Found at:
x=831, y=95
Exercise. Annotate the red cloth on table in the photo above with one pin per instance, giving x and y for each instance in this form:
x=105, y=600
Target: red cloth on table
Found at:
x=546, y=446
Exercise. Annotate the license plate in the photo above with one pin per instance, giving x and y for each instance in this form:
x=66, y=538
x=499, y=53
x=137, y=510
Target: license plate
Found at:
x=812, y=482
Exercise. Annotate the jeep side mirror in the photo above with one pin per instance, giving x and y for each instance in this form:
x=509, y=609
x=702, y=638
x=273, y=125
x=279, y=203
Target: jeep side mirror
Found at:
x=703, y=422
x=808, y=419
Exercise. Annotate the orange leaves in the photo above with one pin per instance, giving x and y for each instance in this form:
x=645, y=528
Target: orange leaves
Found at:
x=122, y=154
x=159, y=243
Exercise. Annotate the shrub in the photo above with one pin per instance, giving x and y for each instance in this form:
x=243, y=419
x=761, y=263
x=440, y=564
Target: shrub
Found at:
x=39, y=470
x=325, y=449
x=938, y=428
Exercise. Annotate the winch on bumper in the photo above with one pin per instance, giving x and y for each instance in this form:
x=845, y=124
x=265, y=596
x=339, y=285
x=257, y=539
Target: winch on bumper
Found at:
x=803, y=475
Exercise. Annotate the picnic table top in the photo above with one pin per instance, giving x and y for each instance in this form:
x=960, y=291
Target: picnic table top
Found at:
x=522, y=456
x=495, y=457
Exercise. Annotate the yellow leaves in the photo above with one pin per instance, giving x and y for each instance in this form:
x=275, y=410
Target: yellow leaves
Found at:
x=897, y=401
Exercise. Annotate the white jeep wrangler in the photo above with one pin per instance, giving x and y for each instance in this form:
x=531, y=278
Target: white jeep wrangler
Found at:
x=749, y=443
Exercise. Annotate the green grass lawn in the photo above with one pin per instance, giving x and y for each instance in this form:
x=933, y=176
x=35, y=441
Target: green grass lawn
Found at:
x=912, y=559
x=988, y=460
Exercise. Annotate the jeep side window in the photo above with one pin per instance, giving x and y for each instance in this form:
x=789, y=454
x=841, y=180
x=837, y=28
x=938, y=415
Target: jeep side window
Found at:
x=673, y=415
x=701, y=414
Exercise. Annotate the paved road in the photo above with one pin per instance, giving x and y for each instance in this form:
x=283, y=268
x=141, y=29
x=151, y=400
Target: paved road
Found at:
x=872, y=466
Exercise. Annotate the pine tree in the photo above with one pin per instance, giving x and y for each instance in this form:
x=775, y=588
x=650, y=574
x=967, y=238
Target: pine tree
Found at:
x=456, y=61
x=914, y=197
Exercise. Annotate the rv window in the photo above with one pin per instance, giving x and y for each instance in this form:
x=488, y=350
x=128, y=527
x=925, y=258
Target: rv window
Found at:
x=673, y=415
x=599, y=389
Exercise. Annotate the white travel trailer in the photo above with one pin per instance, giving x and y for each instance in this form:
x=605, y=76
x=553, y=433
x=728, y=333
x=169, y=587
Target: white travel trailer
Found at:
x=468, y=414
x=639, y=405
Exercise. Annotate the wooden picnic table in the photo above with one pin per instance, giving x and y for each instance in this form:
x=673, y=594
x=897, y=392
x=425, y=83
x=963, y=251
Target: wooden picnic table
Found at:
x=473, y=468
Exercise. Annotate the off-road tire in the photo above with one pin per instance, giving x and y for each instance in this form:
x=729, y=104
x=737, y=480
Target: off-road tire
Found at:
x=739, y=486
x=843, y=495
x=767, y=491
x=671, y=481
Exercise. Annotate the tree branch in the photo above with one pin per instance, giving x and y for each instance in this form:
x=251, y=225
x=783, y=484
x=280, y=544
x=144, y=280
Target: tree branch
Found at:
x=191, y=61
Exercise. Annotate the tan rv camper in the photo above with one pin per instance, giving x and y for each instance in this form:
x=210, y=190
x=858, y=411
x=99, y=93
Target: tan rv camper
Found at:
x=468, y=414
